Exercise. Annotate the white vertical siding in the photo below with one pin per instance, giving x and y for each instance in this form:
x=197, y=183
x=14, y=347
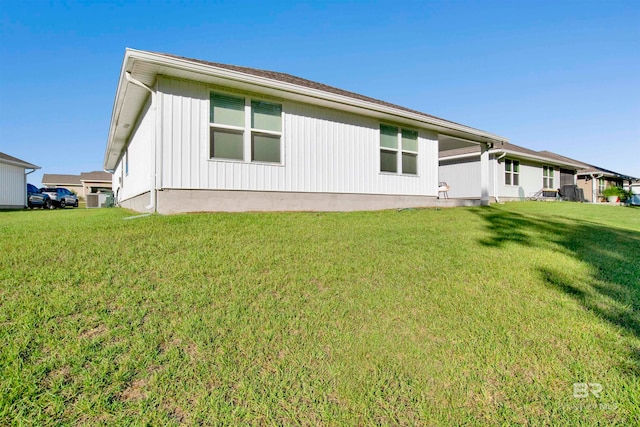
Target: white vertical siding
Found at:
x=13, y=188
x=323, y=151
x=462, y=176
x=138, y=179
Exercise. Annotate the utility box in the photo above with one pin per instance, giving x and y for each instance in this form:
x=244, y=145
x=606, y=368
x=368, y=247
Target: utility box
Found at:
x=100, y=200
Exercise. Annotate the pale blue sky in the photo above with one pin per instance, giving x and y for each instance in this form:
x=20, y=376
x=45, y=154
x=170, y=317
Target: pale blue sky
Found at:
x=556, y=75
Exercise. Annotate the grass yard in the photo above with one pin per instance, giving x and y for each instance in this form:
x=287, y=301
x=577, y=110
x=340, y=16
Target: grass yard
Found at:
x=479, y=316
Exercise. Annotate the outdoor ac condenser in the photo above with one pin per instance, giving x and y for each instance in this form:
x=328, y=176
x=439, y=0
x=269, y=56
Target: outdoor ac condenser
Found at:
x=93, y=201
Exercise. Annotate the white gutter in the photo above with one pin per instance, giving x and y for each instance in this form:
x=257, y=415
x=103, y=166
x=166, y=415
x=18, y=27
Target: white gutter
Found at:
x=26, y=201
x=152, y=189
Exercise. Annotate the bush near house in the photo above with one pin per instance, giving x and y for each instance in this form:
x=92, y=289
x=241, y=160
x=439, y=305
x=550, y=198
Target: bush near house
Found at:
x=525, y=313
x=613, y=190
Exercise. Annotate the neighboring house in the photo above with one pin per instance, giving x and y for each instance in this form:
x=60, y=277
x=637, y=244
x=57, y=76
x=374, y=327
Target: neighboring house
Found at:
x=70, y=182
x=83, y=184
x=190, y=135
x=13, y=181
x=593, y=180
x=515, y=172
x=634, y=187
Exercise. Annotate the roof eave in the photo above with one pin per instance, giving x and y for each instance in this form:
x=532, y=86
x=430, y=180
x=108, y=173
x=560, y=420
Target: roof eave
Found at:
x=554, y=162
x=311, y=95
x=20, y=164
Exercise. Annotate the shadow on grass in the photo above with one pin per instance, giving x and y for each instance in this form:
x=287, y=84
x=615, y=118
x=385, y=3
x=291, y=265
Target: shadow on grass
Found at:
x=611, y=291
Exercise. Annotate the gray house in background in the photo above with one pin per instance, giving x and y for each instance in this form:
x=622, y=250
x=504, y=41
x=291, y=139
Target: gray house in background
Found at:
x=13, y=181
x=83, y=184
x=515, y=172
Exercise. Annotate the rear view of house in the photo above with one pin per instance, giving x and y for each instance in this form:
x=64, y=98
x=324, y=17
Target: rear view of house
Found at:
x=190, y=135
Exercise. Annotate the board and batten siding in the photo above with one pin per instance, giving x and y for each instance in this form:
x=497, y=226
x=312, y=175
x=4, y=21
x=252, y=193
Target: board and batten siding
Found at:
x=138, y=180
x=13, y=187
x=462, y=176
x=323, y=150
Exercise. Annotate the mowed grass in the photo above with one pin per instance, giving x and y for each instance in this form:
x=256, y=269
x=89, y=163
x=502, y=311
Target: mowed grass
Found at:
x=477, y=316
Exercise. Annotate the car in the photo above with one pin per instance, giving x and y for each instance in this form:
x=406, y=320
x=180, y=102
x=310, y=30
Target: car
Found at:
x=36, y=198
x=61, y=197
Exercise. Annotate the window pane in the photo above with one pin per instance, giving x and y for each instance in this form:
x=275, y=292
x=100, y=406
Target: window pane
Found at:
x=265, y=148
x=409, y=163
x=507, y=178
x=507, y=165
x=516, y=167
x=227, y=110
x=388, y=136
x=226, y=144
x=388, y=161
x=409, y=140
x=516, y=179
x=267, y=116
x=551, y=172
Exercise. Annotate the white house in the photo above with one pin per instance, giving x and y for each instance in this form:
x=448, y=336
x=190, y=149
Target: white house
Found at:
x=515, y=172
x=13, y=181
x=190, y=135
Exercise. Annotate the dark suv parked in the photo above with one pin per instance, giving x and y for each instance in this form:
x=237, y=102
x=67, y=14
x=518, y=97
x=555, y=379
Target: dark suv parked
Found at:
x=61, y=197
x=36, y=198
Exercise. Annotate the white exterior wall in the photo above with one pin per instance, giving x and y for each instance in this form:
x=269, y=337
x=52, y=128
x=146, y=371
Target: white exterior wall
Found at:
x=138, y=180
x=530, y=179
x=324, y=150
x=13, y=188
x=463, y=177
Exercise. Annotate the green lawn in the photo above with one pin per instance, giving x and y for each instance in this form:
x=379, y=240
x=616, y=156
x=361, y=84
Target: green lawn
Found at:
x=481, y=316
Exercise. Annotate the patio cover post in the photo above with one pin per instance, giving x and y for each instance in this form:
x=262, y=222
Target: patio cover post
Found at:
x=484, y=174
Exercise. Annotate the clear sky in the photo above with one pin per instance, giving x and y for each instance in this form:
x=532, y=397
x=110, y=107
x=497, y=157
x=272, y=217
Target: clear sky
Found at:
x=557, y=75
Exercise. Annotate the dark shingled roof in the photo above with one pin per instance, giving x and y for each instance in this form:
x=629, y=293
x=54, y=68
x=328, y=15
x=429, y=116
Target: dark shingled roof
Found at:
x=12, y=159
x=587, y=168
x=59, y=179
x=95, y=176
x=583, y=168
x=498, y=146
x=299, y=81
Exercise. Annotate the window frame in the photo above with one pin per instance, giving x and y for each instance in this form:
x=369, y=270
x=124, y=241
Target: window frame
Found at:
x=548, y=177
x=399, y=151
x=512, y=173
x=247, y=130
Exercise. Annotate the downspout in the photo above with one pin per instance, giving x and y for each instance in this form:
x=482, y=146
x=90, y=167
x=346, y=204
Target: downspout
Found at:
x=495, y=176
x=25, y=200
x=152, y=190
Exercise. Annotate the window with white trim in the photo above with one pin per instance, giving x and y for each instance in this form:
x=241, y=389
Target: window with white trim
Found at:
x=547, y=177
x=511, y=172
x=398, y=150
x=233, y=137
x=600, y=185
